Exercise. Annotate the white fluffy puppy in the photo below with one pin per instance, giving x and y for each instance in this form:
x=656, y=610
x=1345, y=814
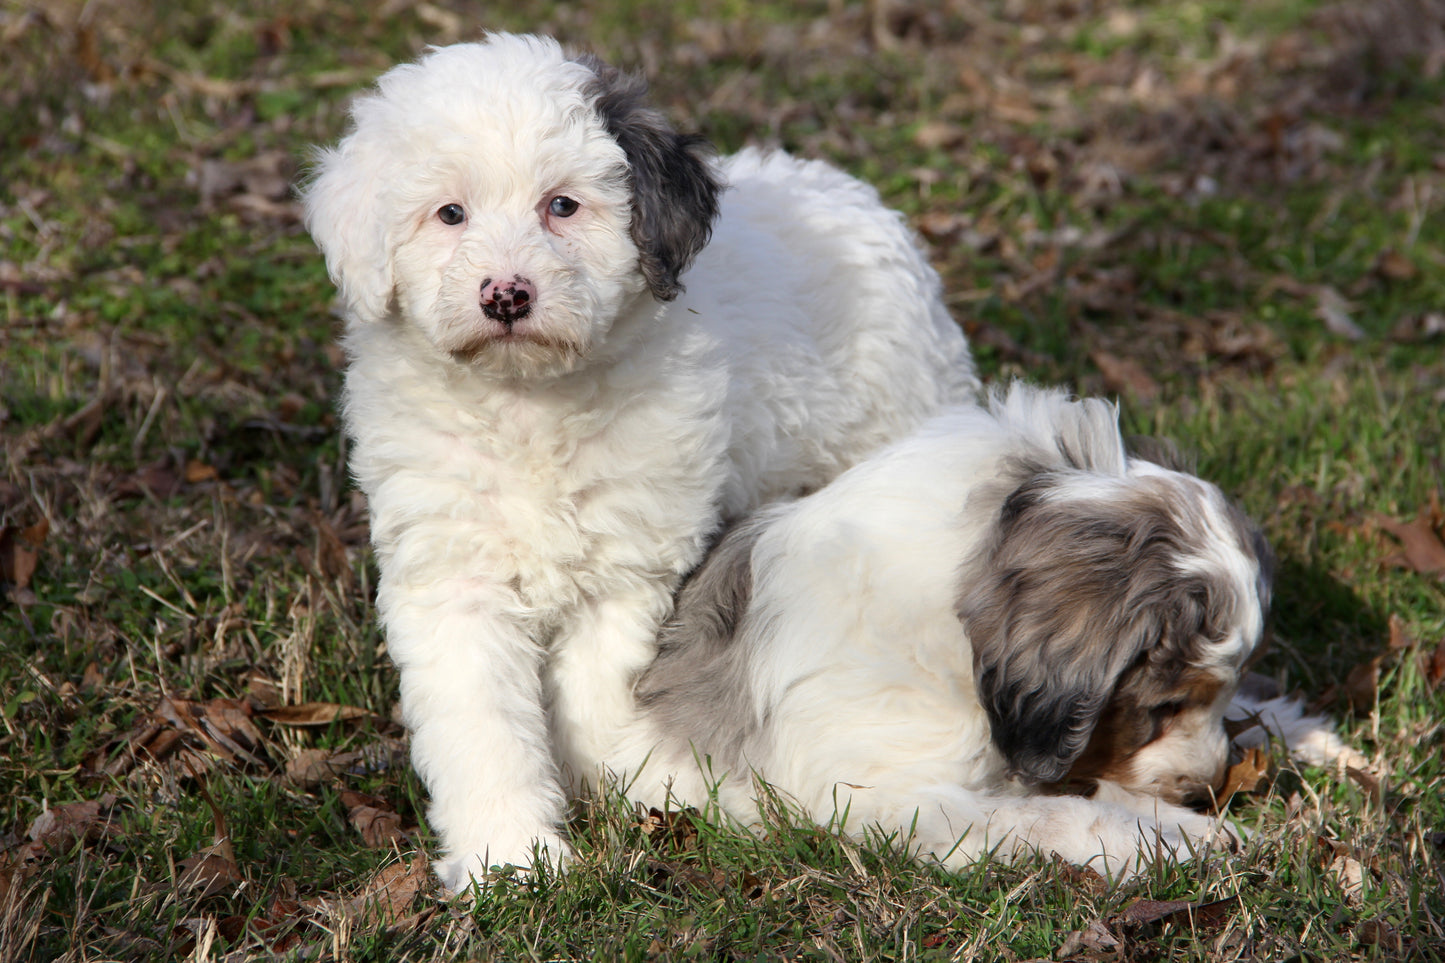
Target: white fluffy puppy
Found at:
x=558, y=387
x=951, y=632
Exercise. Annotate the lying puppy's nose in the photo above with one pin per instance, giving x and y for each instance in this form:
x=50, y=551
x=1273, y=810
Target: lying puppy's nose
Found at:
x=507, y=301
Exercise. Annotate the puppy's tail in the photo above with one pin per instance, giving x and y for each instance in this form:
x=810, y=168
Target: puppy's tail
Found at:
x=1082, y=434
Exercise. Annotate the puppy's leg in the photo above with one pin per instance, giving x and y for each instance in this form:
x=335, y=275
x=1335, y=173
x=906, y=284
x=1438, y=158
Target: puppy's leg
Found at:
x=1310, y=739
x=471, y=694
x=957, y=826
x=594, y=662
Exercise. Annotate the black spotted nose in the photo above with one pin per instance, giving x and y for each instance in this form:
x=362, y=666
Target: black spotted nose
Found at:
x=507, y=301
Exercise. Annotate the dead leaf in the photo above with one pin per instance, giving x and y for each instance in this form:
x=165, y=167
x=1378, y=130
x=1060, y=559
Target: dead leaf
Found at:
x=1377, y=932
x=1083, y=878
x=1399, y=638
x=1251, y=773
x=198, y=471
x=266, y=176
x=20, y=552
x=208, y=873
x=939, y=135
x=677, y=876
x=1349, y=873
x=276, y=925
x=1419, y=327
x=224, y=726
x=1363, y=683
x=1367, y=781
x=1125, y=376
x=374, y=818
x=1435, y=665
x=308, y=714
x=159, y=480
x=1394, y=266
x=1421, y=547
x=312, y=767
x=677, y=826
x=1334, y=311
x=1095, y=938
x=331, y=553
x=61, y=826
x=1148, y=914
x=390, y=893
x=379, y=828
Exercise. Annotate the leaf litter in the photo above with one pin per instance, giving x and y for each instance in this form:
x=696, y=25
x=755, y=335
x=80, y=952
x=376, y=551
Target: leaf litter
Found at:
x=1007, y=80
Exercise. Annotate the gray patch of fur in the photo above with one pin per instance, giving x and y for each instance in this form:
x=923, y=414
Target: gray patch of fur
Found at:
x=675, y=189
x=1161, y=451
x=1069, y=594
x=699, y=689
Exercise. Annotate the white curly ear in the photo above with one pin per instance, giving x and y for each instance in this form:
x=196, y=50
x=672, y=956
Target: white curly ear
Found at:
x=343, y=211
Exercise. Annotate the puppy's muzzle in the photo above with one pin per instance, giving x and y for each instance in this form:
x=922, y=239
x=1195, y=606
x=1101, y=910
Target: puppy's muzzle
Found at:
x=507, y=301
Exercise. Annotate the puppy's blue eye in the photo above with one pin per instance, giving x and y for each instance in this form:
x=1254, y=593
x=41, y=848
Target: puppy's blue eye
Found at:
x=451, y=214
x=563, y=206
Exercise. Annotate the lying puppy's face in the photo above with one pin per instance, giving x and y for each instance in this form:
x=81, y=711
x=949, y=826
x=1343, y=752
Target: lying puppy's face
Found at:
x=510, y=203
x=1111, y=621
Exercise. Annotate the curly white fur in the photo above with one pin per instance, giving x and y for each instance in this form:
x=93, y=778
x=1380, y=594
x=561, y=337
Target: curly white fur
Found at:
x=540, y=475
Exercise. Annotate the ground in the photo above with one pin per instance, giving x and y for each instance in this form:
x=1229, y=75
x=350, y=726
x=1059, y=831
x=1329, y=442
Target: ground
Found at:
x=1228, y=215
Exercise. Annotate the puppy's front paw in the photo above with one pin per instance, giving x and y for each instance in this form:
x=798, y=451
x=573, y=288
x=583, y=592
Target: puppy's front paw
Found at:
x=1183, y=836
x=479, y=864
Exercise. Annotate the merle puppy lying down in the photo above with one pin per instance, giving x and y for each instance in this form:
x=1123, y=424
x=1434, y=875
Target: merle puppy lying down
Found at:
x=938, y=641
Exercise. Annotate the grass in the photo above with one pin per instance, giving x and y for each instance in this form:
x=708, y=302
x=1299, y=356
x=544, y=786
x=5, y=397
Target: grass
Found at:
x=1142, y=199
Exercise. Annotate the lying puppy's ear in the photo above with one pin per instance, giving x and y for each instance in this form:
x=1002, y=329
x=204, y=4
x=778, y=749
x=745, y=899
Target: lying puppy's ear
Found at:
x=342, y=214
x=1070, y=592
x=675, y=190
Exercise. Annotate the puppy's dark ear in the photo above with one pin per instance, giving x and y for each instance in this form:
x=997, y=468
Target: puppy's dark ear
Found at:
x=675, y=189
x=1067, y=595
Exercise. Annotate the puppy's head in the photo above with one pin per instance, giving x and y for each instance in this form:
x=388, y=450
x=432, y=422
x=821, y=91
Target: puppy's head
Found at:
x=509, y=202
x=1111, y=617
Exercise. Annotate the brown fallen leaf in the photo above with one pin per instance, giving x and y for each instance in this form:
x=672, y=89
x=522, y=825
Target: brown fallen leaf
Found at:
x=20, y=552
x=207, y=873
x=1399, y=636
x=374, y=818
x=1394, y=266
x=198, y=471
x=277, y=924
x=1125, y=376
x=1377, y=932
x=331, y=553
x=225, y=727
x=676, y=876
x=1349, y=873
x=159, y=479
x=676, y=826
x=1363, y=683
x=379, y=828
x=389, y=894
x=1367, y=781
x=57, y=828
x=1435, y=665
x=308, y=714
x=1252, y=772
x=1414, y=328
x=1422, y=549
x=939, y=135
x=312, y=767
x=1095, y=938
x=1147, y=913
x=62, y=825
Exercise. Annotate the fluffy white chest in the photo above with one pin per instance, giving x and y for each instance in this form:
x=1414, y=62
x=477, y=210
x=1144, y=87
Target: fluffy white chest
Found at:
x=552, y=497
